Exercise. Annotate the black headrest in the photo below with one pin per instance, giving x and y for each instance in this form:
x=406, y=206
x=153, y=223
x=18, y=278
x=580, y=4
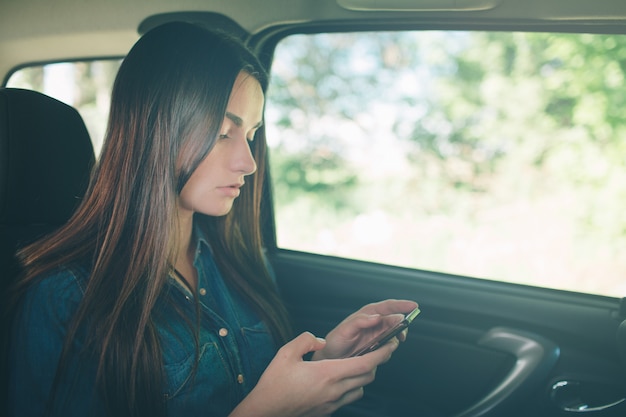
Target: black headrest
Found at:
x=46, y=157
x=45, y=161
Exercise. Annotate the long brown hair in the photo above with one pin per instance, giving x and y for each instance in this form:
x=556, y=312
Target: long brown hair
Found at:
x=168, y=103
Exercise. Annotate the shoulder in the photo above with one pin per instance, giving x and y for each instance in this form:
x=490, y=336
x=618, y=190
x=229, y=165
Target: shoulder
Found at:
x=63, y=282
x=38, y=336
x=55, y=295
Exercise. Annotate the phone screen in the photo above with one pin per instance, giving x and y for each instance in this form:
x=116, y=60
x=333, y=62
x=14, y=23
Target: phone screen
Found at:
x=387, y=335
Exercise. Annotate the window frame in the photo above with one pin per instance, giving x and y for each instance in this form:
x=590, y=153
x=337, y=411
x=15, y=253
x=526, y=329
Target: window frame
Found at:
x=264, y=45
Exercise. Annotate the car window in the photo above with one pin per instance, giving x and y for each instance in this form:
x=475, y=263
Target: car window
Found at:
x=85, y=85
x=494, y=155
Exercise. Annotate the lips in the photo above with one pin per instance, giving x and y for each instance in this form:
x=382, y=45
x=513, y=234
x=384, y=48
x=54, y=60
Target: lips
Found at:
x=232, y=190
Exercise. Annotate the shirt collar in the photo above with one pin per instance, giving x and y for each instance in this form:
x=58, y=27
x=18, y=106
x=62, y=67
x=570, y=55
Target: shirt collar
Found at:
x=201, y=242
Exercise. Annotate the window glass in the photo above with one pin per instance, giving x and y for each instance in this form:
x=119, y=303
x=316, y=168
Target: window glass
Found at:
x=491, y=155
x=85, y=85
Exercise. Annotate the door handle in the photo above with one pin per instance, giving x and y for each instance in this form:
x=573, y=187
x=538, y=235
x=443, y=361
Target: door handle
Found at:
x=585, y=397
x=535, y=356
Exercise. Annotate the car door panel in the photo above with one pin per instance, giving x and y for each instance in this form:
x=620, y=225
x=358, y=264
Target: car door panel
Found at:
x=478, y=348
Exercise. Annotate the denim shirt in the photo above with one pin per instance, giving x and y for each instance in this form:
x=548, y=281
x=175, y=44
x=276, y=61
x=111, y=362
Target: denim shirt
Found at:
x=235, y=347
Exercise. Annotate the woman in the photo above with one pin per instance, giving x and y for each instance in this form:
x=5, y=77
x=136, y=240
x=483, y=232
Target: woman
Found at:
x=155, y=299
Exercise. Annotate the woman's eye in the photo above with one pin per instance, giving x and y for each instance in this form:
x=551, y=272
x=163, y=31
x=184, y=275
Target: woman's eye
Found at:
x=223, y=136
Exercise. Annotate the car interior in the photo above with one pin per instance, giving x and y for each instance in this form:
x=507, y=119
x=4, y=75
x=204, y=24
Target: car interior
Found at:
x=495, y=337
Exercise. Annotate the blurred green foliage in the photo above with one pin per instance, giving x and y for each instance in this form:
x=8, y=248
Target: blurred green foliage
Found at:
x=498, y=134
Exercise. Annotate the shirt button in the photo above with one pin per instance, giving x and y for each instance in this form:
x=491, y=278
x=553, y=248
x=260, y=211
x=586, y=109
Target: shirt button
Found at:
x=240, y=378
x=202, y=291
x=223, y=332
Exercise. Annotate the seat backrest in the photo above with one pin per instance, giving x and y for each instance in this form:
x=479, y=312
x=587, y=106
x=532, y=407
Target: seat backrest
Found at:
x=46, y=158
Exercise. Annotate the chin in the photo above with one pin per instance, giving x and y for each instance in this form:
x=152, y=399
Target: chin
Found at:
x=219, y=212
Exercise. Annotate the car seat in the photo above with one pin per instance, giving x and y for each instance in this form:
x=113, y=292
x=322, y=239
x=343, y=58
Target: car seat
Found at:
x=46, y=157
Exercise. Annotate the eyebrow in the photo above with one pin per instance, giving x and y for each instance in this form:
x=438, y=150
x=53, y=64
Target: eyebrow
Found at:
x=238, y=121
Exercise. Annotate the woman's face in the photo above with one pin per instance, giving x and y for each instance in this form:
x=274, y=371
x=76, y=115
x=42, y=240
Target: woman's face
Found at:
x=214, y=185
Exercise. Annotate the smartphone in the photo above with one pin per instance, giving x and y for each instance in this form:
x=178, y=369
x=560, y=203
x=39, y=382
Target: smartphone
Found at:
x=387, y=335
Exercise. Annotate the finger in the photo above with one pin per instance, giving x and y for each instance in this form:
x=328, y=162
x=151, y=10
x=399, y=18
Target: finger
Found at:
x=356, y=382
x=403, y=335
x=361, y=379
x=390, y=306
x=392, y=319
x=383, y=353
x=362, y=366
x=301, y=345
x=388, y=349
x=361, y=369
x=349, y=397
x=362, y=321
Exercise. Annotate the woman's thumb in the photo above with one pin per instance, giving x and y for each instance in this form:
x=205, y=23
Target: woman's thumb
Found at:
x=305, y=343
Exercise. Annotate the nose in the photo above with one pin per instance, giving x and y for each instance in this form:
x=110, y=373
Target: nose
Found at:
x=243, y=160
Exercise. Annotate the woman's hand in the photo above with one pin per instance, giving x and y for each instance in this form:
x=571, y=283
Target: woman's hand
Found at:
x=293, y=387
x=362, y=326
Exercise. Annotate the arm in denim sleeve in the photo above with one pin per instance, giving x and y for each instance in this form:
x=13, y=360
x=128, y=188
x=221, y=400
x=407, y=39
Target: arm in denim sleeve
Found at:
x=37, y=339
